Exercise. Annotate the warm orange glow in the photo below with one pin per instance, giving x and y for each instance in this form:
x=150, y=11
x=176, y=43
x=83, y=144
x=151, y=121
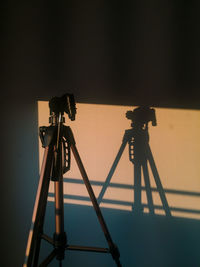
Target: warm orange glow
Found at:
x=174, y=142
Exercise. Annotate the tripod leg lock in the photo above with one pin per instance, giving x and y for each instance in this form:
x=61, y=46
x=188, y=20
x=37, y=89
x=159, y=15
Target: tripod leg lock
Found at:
x=47, y=135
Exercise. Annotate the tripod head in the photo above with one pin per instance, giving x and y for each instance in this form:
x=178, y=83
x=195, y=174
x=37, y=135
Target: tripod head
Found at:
x=59, y=105
x=56, y=133
x=141, y=116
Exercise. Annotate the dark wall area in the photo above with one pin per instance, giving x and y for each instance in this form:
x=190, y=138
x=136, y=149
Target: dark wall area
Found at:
x=107, y=52
x=103, y=51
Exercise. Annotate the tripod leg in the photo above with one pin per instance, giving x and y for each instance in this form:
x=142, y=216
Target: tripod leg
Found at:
x=112, y=170
x=34, y=239
x=60, y=238
x=113, y=249
x=148, y=187
x=49, y=258
x=59, y=207
x=137, y=206
x=158, y=181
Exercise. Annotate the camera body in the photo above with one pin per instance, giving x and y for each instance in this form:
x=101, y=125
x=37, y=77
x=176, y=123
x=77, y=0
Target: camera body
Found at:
x=142, y=115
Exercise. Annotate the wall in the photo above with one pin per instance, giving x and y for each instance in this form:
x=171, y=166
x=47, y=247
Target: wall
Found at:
x=105, y=53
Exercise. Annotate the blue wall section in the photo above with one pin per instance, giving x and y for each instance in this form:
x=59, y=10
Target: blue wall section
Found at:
x=142, y=240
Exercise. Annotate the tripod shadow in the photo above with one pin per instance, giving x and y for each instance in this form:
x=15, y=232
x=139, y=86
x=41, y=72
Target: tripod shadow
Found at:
x=141, y=234
x=140, y=156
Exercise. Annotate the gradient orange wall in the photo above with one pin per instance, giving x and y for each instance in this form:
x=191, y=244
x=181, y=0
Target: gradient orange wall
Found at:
x=99, y=129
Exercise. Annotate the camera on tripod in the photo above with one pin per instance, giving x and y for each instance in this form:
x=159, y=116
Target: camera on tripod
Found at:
x=65, y=103
x=142, y=115
x=58, y=141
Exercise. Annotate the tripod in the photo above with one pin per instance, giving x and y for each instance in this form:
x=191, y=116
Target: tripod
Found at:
x=140, y=155
x=58, y=141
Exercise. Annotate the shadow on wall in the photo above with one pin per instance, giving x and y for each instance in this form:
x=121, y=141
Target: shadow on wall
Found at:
x=150, y=203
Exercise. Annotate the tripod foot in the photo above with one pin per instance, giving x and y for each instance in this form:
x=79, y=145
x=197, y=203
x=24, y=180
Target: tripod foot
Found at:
x=137, y=209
